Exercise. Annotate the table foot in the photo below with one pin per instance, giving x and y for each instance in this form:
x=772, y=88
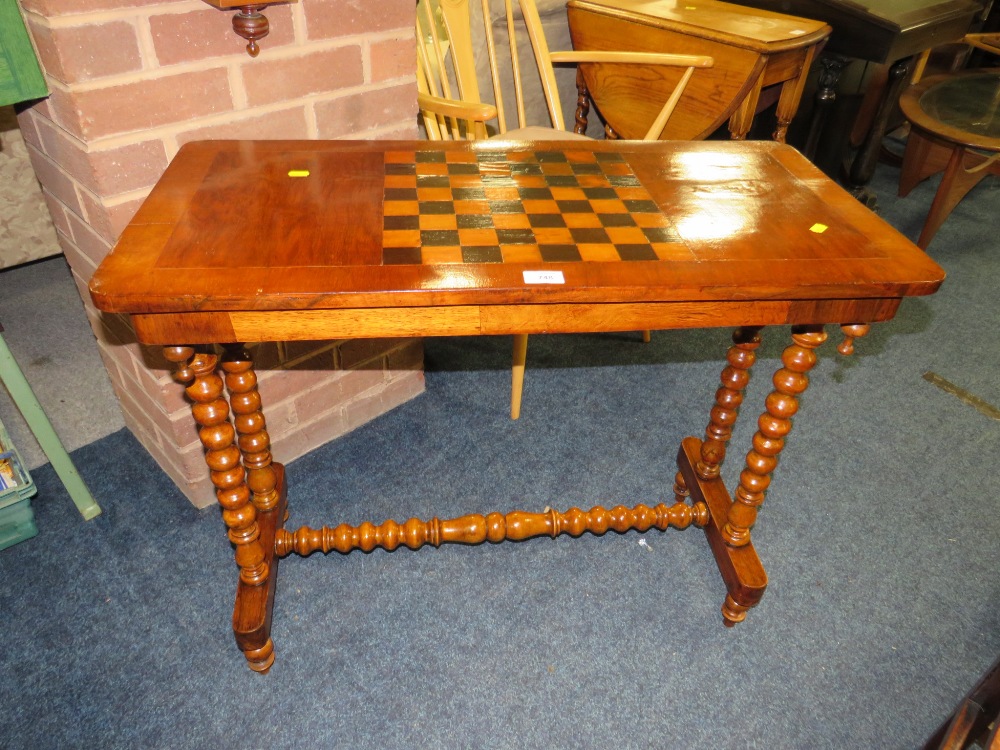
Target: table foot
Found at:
x=740, y=567
x=255, y=604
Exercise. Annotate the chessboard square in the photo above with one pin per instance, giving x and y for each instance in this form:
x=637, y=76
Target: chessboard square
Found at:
x=590, y=235
x=559, y=253
x=554, y=236
x=396, y=157
x=661, y=234
x=580, y=157
x=432, y=180
x=489, y=254
x=583, y=220
x=465, y=181
x=400, y=208
x=557, y=180
x=435, y=255
x=587, y=169
x=546, y=220
x=491, y=157
x=636, y=252
x=401, y=180
x=400, y=194
x=474, y=221
x=468, y=193
x=598, y=253
x=505, y=193
x=431, y=222
x=550, y=170
x=642, y=206
x=433, y=194
x=568, y=193
x=423, y=157
x=652, y=220
x=609, y=157
x=437, y=207
x=593, y=181
x=432, y=168
x=463, y=169
x=410, y=221
x=626, y=235
x=400, y=169
x=621, y=168
x=531, y=181
x=506, y=207
x=392, y=256
x=525, y=169
x=614, y=206
x=534, y=193
x=520, y=254
x=518, y=157
x=511, y=221
x=616, y=220
x=575, y=207
x=438, y=237
x=550, y=157
x=599, y=193
x=401, y=238
x=478, y=237
x=633, y=193
x=540, y=207
x=472, y=207
x=496, y=180
x=624, y=181
x=672, y=251
x=455, y=157
x=515, y=236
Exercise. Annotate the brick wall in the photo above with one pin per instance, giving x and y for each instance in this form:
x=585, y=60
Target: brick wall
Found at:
x=131, y=81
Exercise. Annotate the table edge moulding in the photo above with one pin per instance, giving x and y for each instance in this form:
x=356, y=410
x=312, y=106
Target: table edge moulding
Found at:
x=245, y=241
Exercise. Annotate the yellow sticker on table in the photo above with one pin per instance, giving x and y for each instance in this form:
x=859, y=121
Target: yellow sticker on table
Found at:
x=298, y=172
x=818, y=228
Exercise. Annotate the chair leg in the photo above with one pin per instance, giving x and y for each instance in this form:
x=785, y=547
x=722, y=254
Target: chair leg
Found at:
x=31, y=410
x=645, y=337
x=517, y=373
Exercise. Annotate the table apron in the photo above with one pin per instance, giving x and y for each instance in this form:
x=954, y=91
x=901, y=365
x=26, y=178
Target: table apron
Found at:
x=483, y=320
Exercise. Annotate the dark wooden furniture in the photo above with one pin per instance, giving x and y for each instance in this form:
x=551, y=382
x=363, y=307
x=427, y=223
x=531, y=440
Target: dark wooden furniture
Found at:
x=888, y=32
x=752, y=50
x=955, y=128
x=259, y=241
x=975, y=722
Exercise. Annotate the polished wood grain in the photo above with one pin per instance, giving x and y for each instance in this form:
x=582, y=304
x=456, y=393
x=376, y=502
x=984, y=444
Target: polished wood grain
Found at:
x=230, y=248
x=476, y=528
x=752, y=50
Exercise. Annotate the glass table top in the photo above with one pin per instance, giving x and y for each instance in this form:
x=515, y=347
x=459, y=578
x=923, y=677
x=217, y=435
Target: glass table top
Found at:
x=970, y=103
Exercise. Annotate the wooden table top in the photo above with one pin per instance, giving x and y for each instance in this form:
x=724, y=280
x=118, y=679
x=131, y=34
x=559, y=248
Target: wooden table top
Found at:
x=760, y=30
x=334, y=225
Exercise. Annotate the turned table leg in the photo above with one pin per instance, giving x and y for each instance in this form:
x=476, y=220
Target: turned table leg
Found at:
x=251, y=527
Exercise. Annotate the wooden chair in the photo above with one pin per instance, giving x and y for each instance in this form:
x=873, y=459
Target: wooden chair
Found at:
x=450, y=89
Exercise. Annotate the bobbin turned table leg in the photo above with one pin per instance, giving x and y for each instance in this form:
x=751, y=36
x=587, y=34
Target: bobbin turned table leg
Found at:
x=251, y=528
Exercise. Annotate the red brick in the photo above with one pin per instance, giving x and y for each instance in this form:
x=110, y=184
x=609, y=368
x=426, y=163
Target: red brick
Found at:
x=355, y=352
x=410, y=356
x=54, y=180
x=274, y=80
x=393, y=58
x=69, y=7
x=58, y=213
x=326, y=19
x=119, y=215
x=82, y=53
x=208, y=33
x=88, y=241
x=285, y=123
x=108, y=172
x=287, y=448
x=352, y=115
x=27, y=124
x=130, y=107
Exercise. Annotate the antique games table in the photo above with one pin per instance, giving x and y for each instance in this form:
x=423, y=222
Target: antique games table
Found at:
x=244, y=241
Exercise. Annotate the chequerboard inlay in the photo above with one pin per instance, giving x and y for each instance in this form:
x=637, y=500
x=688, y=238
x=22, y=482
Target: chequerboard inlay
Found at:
x=520, y=207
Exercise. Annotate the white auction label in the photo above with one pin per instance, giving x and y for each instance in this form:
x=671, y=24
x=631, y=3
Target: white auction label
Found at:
x=544, y=277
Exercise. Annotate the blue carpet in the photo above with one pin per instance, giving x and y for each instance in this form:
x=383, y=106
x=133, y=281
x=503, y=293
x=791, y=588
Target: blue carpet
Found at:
x=880, y=535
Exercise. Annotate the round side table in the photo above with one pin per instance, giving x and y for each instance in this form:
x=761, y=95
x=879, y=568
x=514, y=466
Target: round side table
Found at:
x=955, y=127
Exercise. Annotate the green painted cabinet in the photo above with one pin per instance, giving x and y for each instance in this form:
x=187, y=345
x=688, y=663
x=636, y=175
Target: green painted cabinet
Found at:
x=20, y=77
